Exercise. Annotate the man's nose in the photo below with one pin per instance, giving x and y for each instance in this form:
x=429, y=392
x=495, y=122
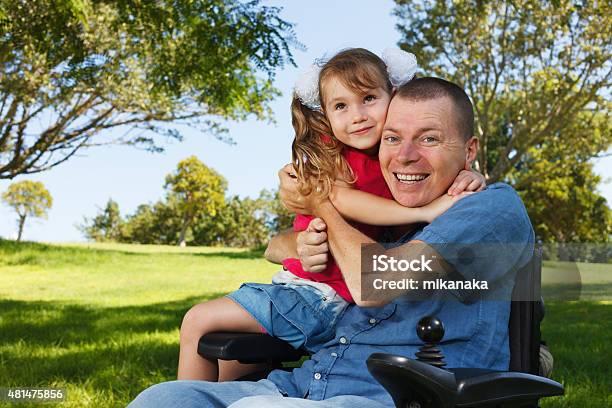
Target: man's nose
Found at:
x=408, y=153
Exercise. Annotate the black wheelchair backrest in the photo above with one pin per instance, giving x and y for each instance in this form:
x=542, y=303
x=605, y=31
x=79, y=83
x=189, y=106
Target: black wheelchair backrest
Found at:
x=525, y=317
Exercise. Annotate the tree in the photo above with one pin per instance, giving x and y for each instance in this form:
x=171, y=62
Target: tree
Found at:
x=28, y=199
x=239, y=223
x=236, y=222
x=106, y=226
x=277, y=217
x=158, y=223
x=71, y=69
x=197, y=189
x=558, y=187
x=538, y=74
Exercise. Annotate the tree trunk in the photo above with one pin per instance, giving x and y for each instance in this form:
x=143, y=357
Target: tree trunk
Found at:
x=22, y=219
x=186, y=222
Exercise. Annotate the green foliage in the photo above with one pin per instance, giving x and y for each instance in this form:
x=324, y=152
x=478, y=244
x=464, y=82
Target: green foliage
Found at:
x=279, y=218
x=72, y=69
x=105, y=226
x=153, y=224
x=28, y=199
x=244, y=222
x=238, y=224
x=196, y=189
x=559, y=188
x=539, y=76
x=195, y=211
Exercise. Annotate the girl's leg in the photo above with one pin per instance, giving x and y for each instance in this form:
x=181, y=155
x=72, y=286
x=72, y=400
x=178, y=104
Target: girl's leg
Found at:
x=232, y=370
x=221, y=314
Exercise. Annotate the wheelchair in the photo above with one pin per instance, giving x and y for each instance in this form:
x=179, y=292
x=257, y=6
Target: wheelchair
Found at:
x=424, y=382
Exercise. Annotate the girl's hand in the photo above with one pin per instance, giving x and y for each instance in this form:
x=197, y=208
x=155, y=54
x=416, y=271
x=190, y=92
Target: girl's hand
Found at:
x=439, y=206
x=467, y=181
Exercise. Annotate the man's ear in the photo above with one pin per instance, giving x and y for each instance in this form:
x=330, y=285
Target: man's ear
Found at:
x=471, y=150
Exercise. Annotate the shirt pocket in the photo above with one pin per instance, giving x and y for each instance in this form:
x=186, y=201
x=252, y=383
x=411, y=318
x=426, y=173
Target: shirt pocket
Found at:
x=461, y=321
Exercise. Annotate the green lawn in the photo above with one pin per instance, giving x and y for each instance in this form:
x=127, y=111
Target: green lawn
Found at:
x=102, y=320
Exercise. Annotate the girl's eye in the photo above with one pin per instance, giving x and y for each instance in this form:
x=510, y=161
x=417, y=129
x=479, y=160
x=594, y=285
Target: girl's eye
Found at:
x=339, y=106
x=369, y=98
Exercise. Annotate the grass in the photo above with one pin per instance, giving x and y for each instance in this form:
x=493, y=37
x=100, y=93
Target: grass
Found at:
x=102, y=320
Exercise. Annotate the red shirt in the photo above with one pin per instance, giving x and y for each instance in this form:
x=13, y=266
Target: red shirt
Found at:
x=369, y=178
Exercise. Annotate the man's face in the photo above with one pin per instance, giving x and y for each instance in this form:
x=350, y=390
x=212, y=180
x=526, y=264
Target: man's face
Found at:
x=421, y=150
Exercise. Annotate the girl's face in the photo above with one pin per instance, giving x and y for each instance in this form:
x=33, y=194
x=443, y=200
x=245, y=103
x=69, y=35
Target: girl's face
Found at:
x=356, y=119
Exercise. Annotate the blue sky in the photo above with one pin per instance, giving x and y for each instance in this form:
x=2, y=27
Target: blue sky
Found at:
x=132, y=177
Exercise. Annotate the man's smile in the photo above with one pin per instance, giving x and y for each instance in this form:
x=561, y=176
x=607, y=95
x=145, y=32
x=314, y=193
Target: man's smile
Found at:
x=410, y=178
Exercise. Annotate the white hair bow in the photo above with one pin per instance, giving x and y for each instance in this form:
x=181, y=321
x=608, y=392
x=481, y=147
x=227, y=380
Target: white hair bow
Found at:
x=401, y=67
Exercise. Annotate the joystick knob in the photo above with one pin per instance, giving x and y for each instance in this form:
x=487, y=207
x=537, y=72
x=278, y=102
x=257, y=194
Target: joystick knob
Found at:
x=430, y=330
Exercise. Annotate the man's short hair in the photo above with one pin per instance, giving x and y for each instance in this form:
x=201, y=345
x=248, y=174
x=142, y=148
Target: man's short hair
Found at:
x=428, y=88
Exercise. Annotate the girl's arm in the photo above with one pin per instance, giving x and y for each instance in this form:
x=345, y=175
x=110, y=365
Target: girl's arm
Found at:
x=371, y=209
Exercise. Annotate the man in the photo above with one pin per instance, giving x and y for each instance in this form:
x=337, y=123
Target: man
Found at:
x=428, y=133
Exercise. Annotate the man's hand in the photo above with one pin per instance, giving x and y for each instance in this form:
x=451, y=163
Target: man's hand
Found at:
x=291, y=197
x=312, y=247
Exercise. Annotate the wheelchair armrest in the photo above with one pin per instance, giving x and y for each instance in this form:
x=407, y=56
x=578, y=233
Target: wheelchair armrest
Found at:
x=489, y=387
x=409, y=381
x=247, y=348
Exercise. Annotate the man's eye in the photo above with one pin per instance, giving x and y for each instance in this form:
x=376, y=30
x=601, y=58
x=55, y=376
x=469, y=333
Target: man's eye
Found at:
x=391, y=139
x=369, y=98
x=339, y=106
x=430, y=139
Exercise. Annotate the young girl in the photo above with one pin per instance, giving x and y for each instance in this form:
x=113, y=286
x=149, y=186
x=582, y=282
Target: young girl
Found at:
x=335, y=154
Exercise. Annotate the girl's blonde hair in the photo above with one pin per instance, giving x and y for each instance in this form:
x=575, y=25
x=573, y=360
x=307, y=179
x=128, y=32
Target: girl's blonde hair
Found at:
x=317, y=154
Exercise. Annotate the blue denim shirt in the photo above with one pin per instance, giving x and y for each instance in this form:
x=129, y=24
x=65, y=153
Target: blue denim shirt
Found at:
x=476, y=332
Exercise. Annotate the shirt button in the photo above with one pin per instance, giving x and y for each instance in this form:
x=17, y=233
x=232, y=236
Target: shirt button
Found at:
x=372, y=321
x=334, y=354
x=317, y=376
x=343, y=340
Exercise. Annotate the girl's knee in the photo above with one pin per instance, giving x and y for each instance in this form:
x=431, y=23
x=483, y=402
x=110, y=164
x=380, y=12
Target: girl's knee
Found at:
x=198, y=319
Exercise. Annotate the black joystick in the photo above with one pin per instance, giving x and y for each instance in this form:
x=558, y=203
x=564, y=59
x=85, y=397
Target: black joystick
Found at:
x=430, y=330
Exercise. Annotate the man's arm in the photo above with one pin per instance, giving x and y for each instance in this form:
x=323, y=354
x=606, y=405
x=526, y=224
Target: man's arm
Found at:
x=344, y=240
x=309, y=246
x=282, y=246
x=345, y=244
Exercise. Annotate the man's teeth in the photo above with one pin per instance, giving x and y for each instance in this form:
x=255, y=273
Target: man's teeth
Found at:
x=410, y=178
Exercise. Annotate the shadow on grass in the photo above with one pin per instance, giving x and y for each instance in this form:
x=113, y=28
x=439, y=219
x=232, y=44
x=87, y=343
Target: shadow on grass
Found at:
x=111, y=351
x=250, y=254
x=107, y=355
x=44, y=323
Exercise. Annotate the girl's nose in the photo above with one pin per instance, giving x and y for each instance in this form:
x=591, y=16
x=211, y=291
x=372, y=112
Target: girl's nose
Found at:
x=359, y=116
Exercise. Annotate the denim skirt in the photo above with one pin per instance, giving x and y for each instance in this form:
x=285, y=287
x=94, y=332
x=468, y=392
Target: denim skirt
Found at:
x=304, y=314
